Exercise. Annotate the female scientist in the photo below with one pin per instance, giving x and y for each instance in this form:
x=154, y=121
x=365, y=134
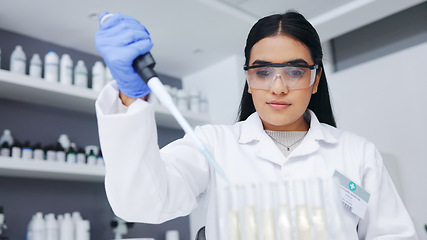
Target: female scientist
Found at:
x=286, y=131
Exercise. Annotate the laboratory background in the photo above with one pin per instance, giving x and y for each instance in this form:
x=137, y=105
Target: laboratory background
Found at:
x=51, y=74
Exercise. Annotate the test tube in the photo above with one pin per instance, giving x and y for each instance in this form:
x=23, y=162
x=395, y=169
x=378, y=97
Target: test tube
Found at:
x=233, y=216
x=267, y=212
x=302, y=217
x=318, y=214
x=284, y=218
x=250, y=213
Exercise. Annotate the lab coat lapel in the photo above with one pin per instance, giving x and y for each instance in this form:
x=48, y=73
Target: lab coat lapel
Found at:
x=315, y=135
x=252, y=131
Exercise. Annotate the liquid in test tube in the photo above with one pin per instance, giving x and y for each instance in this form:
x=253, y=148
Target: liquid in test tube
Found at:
x=250, y=216
x=318, y=214
x=233, y=217
x=284, y=219
x=303, y=220
x=267, y=213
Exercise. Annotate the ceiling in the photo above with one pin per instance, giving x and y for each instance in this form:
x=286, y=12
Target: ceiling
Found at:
x=188, y=35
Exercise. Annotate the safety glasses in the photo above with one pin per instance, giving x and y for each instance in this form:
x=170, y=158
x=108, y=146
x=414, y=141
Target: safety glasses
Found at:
x=293, y=76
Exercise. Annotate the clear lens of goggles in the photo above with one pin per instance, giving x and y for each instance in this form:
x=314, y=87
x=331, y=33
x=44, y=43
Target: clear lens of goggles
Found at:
x=293, y=77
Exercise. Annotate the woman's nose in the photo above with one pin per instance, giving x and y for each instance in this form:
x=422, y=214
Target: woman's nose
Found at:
x=278, y=85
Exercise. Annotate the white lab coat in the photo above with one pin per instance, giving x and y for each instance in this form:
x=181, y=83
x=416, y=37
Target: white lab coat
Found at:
x=144, y=184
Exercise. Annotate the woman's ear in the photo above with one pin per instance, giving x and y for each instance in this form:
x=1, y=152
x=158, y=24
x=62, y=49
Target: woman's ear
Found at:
x=316, y=82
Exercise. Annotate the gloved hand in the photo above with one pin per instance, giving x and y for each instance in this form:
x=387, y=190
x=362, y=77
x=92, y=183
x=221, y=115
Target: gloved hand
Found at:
x=119, y=40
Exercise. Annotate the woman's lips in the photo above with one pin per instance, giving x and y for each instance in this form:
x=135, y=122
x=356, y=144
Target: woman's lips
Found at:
x=278, y=104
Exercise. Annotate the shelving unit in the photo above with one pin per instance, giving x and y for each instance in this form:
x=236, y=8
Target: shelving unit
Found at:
x=28, y=89
x=16, y=167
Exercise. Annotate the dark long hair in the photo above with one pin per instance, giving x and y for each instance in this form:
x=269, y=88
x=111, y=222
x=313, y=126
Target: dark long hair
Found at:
x=293, y=24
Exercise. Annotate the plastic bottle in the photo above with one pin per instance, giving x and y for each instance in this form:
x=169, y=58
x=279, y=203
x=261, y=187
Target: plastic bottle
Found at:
x=18, y=60
x=50, y=153
x=172, y=235
x=80, y=74
x=76, y=217
x=83, y=230
x=52, y=227
x=38, y=227
x=38, y=153
x=36, y=66
x=5, y=149
x=64, y=141
x=81, y=156
x=60, y=153
x=72, y=154
x=16, y=149
x=51, y=66
x=27, y=151
x=182, y=100
x=66, y=70
x=98, y=76
x=100, y=159
x=194, y=101
x=6, y=137
x=6, y=142
x=91, y=158
x=66, y=229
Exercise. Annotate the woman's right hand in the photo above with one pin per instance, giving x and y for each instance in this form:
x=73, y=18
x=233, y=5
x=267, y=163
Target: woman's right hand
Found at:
x=120, y=39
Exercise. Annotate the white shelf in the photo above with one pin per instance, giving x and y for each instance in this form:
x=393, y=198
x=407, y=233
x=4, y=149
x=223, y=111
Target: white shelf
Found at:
x=17, y=167
x=28, y=89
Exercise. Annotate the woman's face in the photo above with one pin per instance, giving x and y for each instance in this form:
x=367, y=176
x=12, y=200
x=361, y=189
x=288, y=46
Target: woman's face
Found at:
x=281, y=109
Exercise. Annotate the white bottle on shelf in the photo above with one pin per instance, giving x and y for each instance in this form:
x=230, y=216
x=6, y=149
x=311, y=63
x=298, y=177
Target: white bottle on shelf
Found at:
x=38, y=227
x=52, y=228
x=66, y=70
x=172, y=235
x=36, y=66
x=51, y=65
x=98, y=76
x=181, y=100
x=80, y=74
x=66, y=229
x=6, y=137
x=83, y=230
x=18, y=60
x=194, y=101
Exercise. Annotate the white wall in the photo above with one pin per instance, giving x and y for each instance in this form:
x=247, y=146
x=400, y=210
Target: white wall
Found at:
x=385, y=100
x=223, y=84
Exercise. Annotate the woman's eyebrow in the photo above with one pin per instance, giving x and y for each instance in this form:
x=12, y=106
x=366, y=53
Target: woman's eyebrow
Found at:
x=295, y=61
x=298, y=61
x=260, y=62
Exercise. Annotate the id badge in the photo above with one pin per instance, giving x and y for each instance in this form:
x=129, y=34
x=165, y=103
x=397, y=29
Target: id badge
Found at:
x=353, y=196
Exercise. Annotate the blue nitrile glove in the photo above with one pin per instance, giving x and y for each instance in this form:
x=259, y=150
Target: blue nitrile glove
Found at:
x=119, y=40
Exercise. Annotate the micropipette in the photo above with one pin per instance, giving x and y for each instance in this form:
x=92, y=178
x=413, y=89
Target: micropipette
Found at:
x=144, y=65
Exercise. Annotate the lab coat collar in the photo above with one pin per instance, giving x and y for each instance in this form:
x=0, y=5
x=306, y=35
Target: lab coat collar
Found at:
x=252, y=130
